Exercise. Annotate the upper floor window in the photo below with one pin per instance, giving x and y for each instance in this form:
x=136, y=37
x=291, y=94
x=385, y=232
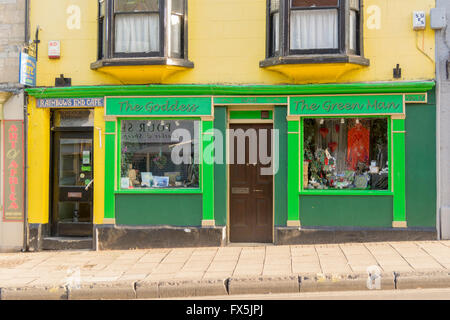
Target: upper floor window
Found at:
x=313, y=27
x=138, y=28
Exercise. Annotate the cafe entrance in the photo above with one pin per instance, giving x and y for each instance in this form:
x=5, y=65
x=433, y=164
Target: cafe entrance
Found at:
x=72, y=173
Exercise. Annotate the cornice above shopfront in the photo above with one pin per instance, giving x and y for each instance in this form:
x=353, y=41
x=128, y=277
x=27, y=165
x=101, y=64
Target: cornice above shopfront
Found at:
x=221, y=90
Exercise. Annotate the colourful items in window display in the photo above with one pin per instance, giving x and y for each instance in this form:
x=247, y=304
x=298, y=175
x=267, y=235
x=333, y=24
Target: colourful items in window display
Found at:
x=338, y=153
x=358, y=140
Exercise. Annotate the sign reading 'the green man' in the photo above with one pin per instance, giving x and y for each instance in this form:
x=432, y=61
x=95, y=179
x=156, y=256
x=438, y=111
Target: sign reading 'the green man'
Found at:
x=347, y=105
x=158, y=106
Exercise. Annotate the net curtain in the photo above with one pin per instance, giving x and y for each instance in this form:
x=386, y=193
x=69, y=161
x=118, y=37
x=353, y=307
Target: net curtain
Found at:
x=136, y=33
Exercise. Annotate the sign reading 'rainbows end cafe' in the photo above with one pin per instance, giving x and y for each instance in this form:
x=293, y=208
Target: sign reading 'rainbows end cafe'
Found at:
x=158, y=106
x=347, y=105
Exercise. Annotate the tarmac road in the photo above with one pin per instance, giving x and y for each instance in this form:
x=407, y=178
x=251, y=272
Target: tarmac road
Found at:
x=413, y=294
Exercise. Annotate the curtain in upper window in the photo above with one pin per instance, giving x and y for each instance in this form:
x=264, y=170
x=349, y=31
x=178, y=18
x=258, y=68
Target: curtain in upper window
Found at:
x=137, y=33
x=314, y=29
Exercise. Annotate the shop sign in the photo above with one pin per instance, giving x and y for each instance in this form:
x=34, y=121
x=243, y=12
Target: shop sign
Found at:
x=13, y=162
x=347, y=105
x=69, y=102
x=158, y=106
x=416, y=98
x=27, y=70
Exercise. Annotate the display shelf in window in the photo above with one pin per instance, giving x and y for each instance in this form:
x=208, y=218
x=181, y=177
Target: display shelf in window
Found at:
x=159, y=155
x=345, y=154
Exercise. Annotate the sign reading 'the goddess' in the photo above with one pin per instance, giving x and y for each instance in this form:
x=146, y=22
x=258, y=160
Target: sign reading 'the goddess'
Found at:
x=158, y=106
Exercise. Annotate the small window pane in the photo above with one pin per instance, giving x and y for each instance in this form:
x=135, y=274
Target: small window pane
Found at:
x=274, y=5
x=275, y=32
x=178, y=6
x=314, y=29
x=354, y=4
x=72, y=152
x=136, y=5
x=154, y=154
x=102, y=8
x=346, y=154
x=314, y=3
x=137, y=33
x=352, y=31
x=176, y=28
x=74, y=118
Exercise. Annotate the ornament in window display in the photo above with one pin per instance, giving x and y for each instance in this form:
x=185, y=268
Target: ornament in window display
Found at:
x=332, y=145
x=361, y=181
x=337, y=128
x=358, y=141
x=178, y=181
x=132, y=176
x=324, y=132
x=160, y=160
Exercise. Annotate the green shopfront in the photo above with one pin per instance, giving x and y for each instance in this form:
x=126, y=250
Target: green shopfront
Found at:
x=348, y=162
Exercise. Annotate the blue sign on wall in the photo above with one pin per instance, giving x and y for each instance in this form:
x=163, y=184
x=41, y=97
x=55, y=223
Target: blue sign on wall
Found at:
x=27, y=74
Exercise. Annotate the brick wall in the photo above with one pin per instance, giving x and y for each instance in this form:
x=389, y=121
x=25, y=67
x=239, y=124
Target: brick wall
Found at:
x=12, y=36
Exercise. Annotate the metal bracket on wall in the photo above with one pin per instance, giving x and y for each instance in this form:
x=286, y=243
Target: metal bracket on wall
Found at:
x=397, y=72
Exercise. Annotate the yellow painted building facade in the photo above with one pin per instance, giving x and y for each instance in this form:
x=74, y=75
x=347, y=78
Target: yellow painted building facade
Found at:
x=226, y=43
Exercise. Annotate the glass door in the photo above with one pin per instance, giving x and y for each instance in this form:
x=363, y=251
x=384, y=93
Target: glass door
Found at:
x=72, y=183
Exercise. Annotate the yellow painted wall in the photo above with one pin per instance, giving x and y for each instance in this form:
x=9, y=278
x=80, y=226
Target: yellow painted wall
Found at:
x=38, y=163
x=39, y=160
x=227, y=41
x=99, y=166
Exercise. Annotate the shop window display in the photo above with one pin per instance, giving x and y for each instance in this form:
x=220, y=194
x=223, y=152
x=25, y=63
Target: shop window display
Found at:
x=344, y=153
x=146, y=154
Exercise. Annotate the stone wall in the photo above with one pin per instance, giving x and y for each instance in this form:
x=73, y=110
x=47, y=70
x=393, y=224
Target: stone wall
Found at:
x=12, y=35
x=443, y=96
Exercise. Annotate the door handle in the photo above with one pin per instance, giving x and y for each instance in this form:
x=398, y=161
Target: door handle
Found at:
x=89, y=184
x=258, y=190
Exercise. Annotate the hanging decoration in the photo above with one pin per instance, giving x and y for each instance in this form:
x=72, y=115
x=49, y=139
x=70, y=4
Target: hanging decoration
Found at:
x=324, y=132
x=337, y=128
x=332, y=145
x=358, y=141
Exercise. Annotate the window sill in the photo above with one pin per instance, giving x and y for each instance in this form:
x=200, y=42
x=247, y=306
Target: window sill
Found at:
x=346, y=192
x=160, y=191
x=319, y=68
x=141, y=70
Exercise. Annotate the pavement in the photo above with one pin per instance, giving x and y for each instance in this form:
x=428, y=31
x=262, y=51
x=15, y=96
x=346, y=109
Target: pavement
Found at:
x=219, y=271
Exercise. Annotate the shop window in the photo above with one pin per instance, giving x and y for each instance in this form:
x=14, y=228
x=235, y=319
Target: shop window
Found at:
x=300, y=29
x=346, y=153
x=159, y=154
x=149, y=29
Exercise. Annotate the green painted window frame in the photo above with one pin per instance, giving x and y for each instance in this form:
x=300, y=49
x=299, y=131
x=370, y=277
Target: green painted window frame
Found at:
x=339, y=192
x=117, y=189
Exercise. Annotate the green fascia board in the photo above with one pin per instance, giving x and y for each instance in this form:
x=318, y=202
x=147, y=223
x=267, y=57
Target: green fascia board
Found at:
x=201, y=89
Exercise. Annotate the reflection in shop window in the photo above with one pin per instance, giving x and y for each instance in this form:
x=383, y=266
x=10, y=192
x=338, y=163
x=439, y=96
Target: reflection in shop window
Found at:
x=146, y=154
x=345, y=153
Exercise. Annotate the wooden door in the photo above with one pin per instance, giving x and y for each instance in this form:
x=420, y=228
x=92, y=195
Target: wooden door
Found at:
x=251, y=204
